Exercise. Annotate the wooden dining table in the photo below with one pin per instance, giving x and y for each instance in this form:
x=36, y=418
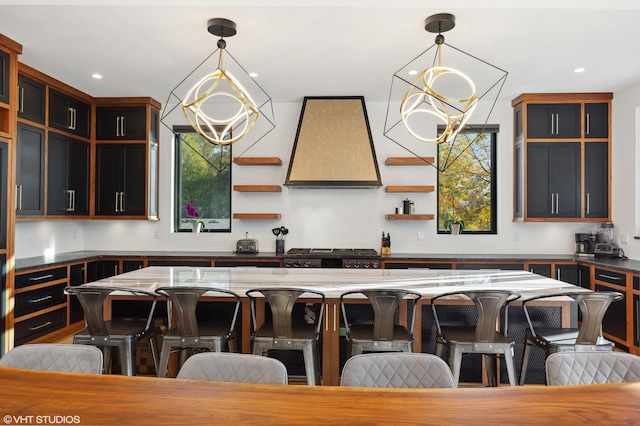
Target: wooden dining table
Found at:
x=333, y=283
x=39, y=397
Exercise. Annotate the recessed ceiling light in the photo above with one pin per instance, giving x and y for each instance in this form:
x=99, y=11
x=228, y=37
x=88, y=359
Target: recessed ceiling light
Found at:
x=96, y=76
x=413, y=72
x=578, y=70
x=253, y=74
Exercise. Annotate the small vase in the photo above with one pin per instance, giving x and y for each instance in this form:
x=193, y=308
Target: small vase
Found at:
x=197, y=227
x=279, y=246
x=455, y=229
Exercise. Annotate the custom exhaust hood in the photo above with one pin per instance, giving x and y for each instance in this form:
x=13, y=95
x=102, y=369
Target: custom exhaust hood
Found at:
x=333, y=146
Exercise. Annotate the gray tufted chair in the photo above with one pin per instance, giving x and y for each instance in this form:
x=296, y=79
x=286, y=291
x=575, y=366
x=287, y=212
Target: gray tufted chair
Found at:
x=589, y=368
x=55, y=357
x=234, y=367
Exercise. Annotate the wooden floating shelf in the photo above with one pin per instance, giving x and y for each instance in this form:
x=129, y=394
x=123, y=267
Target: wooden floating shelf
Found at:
x=257, y=188
x=257, y=161
x=409, y=161
x=410, y=188
x=256, y=216
x=409, y=216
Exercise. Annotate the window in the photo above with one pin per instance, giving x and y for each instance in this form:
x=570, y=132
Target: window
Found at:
x=203, y=178
x=467, y=188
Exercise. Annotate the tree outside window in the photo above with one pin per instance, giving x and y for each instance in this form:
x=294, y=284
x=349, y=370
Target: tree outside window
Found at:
x=203, y=179
x=467, y=189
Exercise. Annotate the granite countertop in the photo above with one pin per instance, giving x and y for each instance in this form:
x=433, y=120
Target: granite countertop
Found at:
x=78, y=256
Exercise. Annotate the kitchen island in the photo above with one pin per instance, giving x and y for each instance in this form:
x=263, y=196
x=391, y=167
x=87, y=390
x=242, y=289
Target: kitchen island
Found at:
x=334, y=282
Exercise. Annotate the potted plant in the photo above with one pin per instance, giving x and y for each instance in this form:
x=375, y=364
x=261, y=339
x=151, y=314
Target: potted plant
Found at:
x=453, y=224
x=198, y=225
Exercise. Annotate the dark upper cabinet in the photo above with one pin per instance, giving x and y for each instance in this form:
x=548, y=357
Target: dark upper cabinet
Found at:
x=69, y=114
x=596, y=120
x=5, y=62
x=120, y=179
x=31, y=99
x=30, y=170
x=68, y=176
x=596, y=179
x=553, y=121
x=553, y=179
x=128, y=123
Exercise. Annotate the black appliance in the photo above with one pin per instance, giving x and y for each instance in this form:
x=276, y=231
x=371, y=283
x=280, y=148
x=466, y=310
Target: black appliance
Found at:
x=332, y=258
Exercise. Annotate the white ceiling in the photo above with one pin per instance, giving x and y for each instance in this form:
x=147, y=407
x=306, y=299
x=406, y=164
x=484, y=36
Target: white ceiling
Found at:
x=324, y=47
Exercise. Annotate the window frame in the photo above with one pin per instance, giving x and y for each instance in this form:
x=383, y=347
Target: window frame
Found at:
x=493, y=131
x=177, y=207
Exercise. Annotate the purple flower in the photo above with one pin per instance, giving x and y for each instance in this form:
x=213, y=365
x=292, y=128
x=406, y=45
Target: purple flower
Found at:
x=191, y=210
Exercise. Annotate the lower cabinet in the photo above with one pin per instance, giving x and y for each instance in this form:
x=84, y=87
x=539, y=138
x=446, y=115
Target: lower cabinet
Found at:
x=614, y=323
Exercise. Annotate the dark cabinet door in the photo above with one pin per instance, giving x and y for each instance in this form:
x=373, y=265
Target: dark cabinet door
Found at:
x=5, y=62
x=108, y=172
x=30, y=170
x=543, y=269
x=596, y=120
x=553, y=121
x=636, y=319
x=553, y=179
x=68, y=176
x=584, y=276
x=76, y=277
x=128, y=123
x=68, y=114
x=567, y=273
x=121, y=179
x=596, y=179
x=134, y=182
x=31, y=96
x=615, y=319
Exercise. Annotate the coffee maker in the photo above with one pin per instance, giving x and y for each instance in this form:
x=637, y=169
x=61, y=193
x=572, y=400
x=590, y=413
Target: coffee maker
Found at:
x=585, y=244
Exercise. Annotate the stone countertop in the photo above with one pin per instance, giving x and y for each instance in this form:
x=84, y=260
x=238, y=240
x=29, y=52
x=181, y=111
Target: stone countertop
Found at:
x=79, y=256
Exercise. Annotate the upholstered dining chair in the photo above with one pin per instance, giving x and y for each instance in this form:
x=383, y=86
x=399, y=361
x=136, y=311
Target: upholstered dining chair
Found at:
x=481, y=338
x=189, y=331
x=588, y=337
x=588, y=368
x=234, y=367
x=283, y=332
x=397, y=370
x=120, y=333
x=55, y=357
x=385, y=334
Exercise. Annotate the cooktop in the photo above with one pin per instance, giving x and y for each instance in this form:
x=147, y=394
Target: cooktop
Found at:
x=318, y=252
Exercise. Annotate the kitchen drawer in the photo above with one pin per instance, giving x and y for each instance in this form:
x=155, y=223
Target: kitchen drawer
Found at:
x=37, y=300
x=33, y=328
x=611, y=277
x=40, y=277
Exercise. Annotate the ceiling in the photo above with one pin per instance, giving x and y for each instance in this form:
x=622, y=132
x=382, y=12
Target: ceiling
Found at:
x=324, y=47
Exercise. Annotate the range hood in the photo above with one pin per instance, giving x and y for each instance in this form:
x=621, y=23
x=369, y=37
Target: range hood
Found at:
x=333, y=146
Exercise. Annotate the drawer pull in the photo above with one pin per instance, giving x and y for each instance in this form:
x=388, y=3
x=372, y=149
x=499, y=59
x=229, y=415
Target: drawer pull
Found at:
x=42, y=277
x=40, y=326
x=42, y=299
x=610, y=277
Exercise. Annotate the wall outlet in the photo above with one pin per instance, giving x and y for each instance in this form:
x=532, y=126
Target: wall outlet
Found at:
x=516, y=236
x=420, y=236
x=156, y=234
x=624, y=239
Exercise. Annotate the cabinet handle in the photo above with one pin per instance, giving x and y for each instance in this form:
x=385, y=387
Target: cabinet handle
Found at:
x=557, y=201
x=118, y=126
x=41, y=277
x=637, y=321
x=19, y=197
x=117, y=202
x=552, y=123
x=588, y=123
x=557, y=123
x=21, y=99
x=71, y=200
x=42, y=299
x=75, y=118
x=70, y=119
x=552, y=203
x=122, y=202
x=122, y=126
x=588, y=203
x=609, y=277
x=40, y=326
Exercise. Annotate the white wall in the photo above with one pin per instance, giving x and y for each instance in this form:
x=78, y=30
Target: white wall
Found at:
x=351, y=217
